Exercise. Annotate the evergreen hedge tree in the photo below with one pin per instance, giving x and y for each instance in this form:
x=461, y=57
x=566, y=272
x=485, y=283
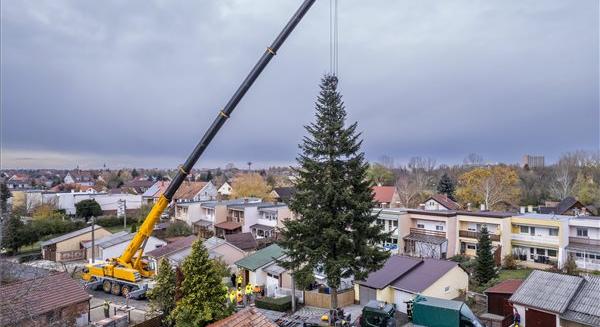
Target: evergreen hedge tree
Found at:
x=484, y=264
x=335, y=230
x=162, y=296
x=446, y=186
x=203, y=294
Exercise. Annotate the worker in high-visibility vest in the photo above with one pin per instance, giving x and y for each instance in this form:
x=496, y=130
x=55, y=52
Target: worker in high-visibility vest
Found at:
x=225, y=291
x=106, y=307
x=240, y=295
x=232, y=295
x=248, y=293
x=240, y=280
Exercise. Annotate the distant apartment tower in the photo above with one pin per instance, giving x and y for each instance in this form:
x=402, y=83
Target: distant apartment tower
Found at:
x=533, y=161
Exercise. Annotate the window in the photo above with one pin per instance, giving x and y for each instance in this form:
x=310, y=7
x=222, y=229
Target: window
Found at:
x=420, y=226
x=471, y=246
x=552, y=253
x=379, y=222
x=439, y=227
x=540, y=251
x=531, y=250
x=553, y=231
x=524, y=229
x=532, y=231
x=582, y=232
x=395, y=223
x=579, y=254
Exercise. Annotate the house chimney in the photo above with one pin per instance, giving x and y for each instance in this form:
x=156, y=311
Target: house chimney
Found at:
x=522, y=209
x=422, y=206
x=482, y=207
x=469, y=206
x=530, y=208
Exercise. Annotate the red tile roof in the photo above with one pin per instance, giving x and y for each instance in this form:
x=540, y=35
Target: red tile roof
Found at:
x=228, y=225
x=35, y=297
x=444, y=200
x=244, y=241
x=188, y=190
x=249, y=317
x=383, y=194
x=508, y=286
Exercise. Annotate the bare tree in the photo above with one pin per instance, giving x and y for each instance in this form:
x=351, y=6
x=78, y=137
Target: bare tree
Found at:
x=408, y=190
x=421, y=170
x=564, y=177
x=473, y=159
x=387, y=161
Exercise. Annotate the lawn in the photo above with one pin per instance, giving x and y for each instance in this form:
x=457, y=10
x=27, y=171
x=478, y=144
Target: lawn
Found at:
x=30, y=248
x=514, y=274
x=119, y=228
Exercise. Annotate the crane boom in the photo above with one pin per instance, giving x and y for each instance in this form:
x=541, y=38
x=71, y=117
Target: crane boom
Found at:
x=137, y=243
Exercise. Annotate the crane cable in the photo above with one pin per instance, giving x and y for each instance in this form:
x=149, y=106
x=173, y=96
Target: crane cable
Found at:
x=333, y=37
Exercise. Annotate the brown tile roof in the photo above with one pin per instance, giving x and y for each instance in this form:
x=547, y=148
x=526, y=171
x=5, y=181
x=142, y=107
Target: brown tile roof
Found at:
x=444, y=200
x=383, y=194
x=34, y=297
x=244, y=241
x=249, y=317
x=173, y=247
x=508, y=286
x=228, y=225
x=188, y=190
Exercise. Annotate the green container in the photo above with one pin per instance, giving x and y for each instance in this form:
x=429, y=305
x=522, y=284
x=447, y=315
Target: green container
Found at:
x=434, y=312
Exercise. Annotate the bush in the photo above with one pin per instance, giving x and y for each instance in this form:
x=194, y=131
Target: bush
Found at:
x=178, y=228
x=459, y=258
x=281, y=304
x=509, y=262
x=109, y=221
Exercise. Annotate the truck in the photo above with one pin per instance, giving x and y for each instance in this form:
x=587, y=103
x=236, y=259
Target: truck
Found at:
x=431, y=311
x=377, y=314
x=131, y=273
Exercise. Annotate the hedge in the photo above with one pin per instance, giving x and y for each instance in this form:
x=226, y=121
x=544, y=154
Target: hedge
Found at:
x=281, y=304
x=109, y=221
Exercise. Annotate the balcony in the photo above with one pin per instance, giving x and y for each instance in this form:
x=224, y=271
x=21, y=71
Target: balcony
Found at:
x=584, y=240
x=550, y=240
x=476, y=235
x=427, y=232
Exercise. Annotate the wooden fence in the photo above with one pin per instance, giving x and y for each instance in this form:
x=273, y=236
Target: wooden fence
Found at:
x=322, y=300
x=152, y=322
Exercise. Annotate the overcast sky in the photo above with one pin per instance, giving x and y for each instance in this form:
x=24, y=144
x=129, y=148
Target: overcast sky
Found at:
x=136, y=83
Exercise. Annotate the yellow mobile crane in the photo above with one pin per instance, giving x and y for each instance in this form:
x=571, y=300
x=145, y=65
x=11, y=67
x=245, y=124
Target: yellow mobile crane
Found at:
x=128, y=274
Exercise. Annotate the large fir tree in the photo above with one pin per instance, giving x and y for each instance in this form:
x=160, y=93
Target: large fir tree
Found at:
x=335, y=229
x=447, y=186
x=485, y=265
x=162, y=296
x=203, y=293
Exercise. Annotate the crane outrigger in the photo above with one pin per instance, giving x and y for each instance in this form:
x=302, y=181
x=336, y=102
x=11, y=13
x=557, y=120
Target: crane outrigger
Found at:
x=126, y=274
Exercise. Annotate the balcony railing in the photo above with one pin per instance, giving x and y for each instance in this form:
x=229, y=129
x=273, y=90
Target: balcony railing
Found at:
x=476, y=235
x=584, y=240
x=553, y=240
x=428, y=232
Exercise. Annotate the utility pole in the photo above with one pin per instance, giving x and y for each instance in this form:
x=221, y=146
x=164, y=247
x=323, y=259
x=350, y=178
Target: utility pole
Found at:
x=124, y=214
x=93, y=239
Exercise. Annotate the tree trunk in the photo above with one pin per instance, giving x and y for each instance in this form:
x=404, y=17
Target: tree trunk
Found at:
x=293, y=293
x=334, y=302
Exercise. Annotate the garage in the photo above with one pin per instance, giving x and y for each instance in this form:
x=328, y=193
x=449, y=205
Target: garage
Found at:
x=535, y=318
x=367, y=294
x=400, y=298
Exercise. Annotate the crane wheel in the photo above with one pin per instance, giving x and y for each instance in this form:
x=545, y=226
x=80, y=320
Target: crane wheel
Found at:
x=125, y=290
x=115, y=289
x=106, y=286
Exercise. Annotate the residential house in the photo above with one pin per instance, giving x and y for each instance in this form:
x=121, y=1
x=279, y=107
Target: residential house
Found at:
x=498, y=296
x=19, y=182
x=549, y=299
x=137, y=185
x=195, y=191
x=175, y=252
x=540, y=240
x=261, y=268
x=110, y=203
x=244, y=241
x=429, y=234
x=81, y=177
x=389, y=219
x=225, y=251
x=153, y=193
x=249, y=317
x=569, y=206
x=283, y=194
x=271, y=217
x=386, y=196
x=43, y=299
x=402, y=278
x=241, y=216
x=69, y=247
x=498, y=224
x=440, y=202
x=225, y=190
x=112, y=246
x=584, y=242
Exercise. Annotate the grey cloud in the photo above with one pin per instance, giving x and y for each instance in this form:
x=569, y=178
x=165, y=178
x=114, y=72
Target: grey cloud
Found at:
x=141, y=80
